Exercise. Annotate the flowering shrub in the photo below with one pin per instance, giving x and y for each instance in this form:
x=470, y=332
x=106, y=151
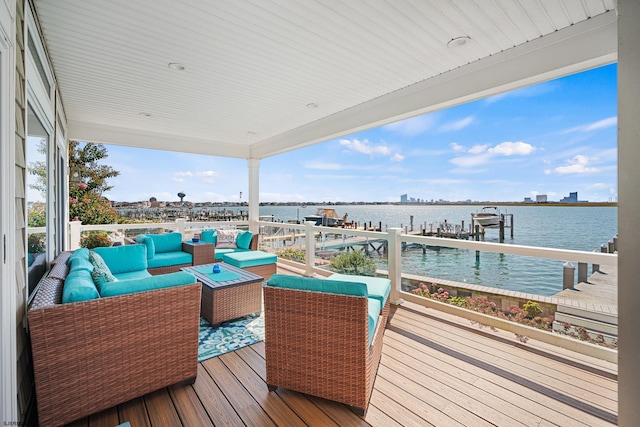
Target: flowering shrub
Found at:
x=89, y=207
x=292, y=254
x=95, y=240
x=353, y=262
x=528, y=315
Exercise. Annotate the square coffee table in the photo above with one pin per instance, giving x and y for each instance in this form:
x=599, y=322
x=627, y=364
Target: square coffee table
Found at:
x=227, y=295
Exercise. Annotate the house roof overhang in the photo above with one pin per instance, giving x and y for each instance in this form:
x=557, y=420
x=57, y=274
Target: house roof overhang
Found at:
x=264, y=78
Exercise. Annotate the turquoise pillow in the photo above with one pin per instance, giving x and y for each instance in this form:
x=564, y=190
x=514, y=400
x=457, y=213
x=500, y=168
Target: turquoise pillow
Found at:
x=79, y=286
x=101, y=272
x=80, y=263
x=79, y=253
x=318, y=285
x=243, y=240
x=210, y=236
x=168, y=242
x=148, y=242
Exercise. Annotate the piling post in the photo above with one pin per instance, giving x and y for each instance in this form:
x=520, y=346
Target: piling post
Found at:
x=477, y=234
x=439, y=233
x=501, y=229
x=603, y=248
x=582, y=272
x=615, y=243
x=568, y=271
x=611, y=247
x=410, y=223
x=595, y=267
x=511, y=224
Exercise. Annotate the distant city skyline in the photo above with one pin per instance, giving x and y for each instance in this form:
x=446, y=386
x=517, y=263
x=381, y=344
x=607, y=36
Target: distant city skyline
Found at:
x=552, y=139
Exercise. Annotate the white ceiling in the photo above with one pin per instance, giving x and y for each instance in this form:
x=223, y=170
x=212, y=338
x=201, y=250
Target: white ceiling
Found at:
x=263, y=77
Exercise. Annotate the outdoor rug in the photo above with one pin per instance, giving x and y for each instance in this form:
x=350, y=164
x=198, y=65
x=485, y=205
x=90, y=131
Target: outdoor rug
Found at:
x=229, y=336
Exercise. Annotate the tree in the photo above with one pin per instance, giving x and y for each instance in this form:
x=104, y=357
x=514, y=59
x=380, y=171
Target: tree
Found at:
x=88, y=182
x=83, y=161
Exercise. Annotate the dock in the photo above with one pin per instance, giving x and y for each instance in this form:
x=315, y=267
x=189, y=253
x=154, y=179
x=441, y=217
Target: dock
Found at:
x=592, y=305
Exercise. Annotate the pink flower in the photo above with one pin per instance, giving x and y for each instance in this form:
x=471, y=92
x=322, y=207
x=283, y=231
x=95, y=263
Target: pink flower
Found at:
x=82, y=186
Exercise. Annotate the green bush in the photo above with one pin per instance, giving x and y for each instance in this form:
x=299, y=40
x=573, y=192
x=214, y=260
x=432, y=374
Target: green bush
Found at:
x=95, y=240
x=532, y=308
x=353, y=262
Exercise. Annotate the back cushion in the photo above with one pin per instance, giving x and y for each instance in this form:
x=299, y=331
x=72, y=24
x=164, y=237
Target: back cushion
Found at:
x=148, y=242
x=210, y=236
x=169, y=242
x=227, y=239
x=79, y=286
x=318, y=285
x=123, y=259
x=243, y=240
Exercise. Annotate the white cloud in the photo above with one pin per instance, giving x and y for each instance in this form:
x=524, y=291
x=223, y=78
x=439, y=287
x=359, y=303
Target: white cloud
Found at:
x=365, y=147
x=180, y=176
x=457, y=147
x=477, y=149
x=579, y=164
x=589, y=127
x=397, y=157
x=323, y=166
x=207, y=176
x=413, y=126
x=508, y=148
x=481, y=154
x=457, y=124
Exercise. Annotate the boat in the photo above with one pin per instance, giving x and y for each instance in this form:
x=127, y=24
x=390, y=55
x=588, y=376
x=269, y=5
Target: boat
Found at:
x=489, y=216
x=327, y=217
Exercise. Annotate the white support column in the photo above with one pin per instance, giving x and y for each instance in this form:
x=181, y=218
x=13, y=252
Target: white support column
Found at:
x=310, y=248
x=254, y=193
x=75, y=233
x=395, y=270
x=628, y=212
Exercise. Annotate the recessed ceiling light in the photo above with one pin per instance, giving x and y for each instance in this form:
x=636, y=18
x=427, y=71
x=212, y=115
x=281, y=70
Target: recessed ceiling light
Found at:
x=312, y=105
x=250, y=132
x=177, y=66
x=458, y=41
x=144, y=114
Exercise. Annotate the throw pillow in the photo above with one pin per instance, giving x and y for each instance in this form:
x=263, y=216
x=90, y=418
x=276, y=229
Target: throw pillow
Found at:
x=101, y=272
x=227, y=239
x=244, y=239
x=148, y=242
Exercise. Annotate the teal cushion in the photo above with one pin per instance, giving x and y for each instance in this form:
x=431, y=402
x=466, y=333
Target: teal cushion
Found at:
x=243, y=240
x=79, y=253
x=123, y=259
x=210, y=236
x=140, y=274
x=101, y=272
x=373, y=312
x=166, y=259
x=247, y=259
x=123, y=287
x=79, y=286
x=148, y=242
x=80, y=263
x=318, y=285
x=221, y=252
x=377, y=287
x=169, y=242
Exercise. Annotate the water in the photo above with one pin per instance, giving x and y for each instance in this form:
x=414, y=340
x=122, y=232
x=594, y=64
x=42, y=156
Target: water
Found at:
x=576, y=228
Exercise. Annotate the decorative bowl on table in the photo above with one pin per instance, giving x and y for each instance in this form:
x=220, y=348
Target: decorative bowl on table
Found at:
x=195, y=240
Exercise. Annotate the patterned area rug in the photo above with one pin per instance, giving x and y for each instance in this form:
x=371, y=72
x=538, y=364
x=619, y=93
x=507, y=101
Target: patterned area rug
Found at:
x=229, y=336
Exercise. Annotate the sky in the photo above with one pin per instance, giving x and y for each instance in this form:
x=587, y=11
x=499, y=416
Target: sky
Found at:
x=552, y=138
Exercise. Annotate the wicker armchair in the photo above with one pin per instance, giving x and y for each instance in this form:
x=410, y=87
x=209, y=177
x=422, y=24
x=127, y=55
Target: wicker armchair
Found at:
x=318, y=343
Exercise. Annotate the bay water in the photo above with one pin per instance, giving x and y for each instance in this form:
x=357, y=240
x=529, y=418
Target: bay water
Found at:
x=583, y=228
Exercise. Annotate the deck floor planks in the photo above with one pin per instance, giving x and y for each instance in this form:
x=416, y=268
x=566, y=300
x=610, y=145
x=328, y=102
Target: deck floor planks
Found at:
x=251, y=413
x=161, y=409
x=474, y=377
x=514, y=396
x=134, y=411
x=458, y=400
x=507, y=357
x=220, y=411
x=189, y=407
x=528, y=358
x=271, y=403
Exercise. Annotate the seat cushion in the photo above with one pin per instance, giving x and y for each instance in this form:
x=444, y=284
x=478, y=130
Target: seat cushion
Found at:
x=247, y=259
x=373, y=312
x=166, y=259
x=318, y=285
x=124, y=287
x=140, y=274
x=221, y=252
x=377, y=287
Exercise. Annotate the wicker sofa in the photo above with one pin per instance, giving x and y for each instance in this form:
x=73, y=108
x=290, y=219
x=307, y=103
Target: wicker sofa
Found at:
x=244, y=240
x=167, y=253
x=323, y=337
x=94, y=354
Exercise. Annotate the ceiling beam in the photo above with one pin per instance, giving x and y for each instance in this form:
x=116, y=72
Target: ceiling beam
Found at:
x=587, y=44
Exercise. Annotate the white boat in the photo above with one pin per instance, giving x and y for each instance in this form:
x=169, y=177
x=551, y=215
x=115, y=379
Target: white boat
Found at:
x=489, y=216
x=327, y=217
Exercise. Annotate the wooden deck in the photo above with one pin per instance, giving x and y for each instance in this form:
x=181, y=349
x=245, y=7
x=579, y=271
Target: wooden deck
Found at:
x=436, y=369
